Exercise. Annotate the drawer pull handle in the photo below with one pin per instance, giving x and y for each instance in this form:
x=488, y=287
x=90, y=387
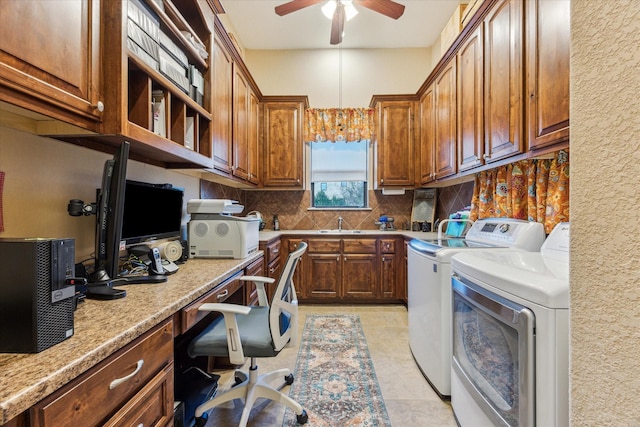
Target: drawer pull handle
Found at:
x=275, y=251
x=115, y=383
x=223, y=294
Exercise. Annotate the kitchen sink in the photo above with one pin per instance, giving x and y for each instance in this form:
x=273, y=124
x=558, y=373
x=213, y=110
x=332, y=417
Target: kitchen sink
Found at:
x=340, y=231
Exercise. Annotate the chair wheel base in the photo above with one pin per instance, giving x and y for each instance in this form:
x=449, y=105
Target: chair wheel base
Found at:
x=302, y=418
x=288, y=380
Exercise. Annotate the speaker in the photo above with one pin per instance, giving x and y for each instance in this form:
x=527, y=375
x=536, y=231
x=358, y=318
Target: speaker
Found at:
x=36, y=304
x=171, y=250
x=185, y=250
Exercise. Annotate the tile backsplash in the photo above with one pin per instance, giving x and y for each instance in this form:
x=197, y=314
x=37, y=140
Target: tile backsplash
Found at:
x=292, y=207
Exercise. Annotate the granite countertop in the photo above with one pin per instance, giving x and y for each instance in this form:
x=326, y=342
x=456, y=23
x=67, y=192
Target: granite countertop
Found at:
x=102, y=328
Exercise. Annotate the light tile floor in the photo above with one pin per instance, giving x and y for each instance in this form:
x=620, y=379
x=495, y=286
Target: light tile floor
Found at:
x=409, y=398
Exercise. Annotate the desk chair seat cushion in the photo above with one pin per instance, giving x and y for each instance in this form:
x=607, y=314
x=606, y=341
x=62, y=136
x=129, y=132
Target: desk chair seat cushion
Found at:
x=254, y=334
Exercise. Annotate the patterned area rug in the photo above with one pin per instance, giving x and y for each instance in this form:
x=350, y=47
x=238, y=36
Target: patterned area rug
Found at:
x=334, y=376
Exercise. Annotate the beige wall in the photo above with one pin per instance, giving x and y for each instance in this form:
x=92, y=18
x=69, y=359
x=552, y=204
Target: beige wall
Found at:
x=605, y=216
x=43, y=174
x=365, y=72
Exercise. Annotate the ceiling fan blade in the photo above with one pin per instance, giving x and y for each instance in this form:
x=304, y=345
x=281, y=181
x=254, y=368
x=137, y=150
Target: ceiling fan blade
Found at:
x=337, y=24
x=294, y=6
x=386, y=7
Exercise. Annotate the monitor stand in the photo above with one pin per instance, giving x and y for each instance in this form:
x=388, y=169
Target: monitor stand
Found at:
x=104, y=290
x=139, y=280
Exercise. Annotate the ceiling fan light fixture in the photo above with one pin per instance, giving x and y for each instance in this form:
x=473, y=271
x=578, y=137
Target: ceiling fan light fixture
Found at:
x=349, y=10
x=330, y=7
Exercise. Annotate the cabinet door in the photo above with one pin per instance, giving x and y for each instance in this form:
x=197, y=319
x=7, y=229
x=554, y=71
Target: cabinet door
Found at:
x=470, y=113
x=427, y=136
x=445, y=129
x=253, y=133
x=396, y=157
x=283, y=146
x=240, y=126
x=324, y=275
x=359, y=276
x=50, y=58
x=222, y=118
x=299, y=278
x=548, y=51
x=503, y=80
x=388, y=276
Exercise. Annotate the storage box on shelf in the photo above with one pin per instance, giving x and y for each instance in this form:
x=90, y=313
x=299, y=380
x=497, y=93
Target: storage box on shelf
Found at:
x=162, y=105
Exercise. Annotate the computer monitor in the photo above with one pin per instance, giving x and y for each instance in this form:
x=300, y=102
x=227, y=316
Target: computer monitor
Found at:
x=151, y=212
x=110, y=209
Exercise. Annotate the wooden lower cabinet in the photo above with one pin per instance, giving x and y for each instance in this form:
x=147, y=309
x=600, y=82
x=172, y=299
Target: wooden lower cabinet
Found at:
x=256, y=268
x=324, y=276
x=299, y=278
x=359, y=278
x=133, y=386
x=347, y=269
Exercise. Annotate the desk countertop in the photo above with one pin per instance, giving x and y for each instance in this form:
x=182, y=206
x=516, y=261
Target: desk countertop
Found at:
x=102, y=328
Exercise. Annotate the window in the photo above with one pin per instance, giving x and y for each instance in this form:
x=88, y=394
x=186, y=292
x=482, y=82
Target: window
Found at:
x=339, y=174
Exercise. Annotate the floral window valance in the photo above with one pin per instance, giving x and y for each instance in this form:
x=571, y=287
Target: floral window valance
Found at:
x=535, y=190
x=338, y=124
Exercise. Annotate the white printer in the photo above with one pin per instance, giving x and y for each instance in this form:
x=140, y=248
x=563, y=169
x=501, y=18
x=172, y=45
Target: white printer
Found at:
x=214, y=233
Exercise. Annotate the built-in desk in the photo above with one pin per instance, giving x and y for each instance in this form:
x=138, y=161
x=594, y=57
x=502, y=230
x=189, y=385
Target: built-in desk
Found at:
x=102, y=328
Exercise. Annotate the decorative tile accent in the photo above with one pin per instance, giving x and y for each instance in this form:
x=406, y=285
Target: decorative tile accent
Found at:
x=292, y=207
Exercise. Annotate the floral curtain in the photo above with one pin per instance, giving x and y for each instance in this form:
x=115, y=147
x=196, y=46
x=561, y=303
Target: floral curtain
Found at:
x=536, y=190
x=338, y=124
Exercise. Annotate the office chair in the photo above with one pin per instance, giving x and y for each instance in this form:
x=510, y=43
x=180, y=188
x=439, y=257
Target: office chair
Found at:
x=260, y=331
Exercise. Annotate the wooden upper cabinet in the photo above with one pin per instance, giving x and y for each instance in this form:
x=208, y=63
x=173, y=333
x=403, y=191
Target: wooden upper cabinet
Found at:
x=50, y=59
x=283, y=145
x=548, y=54
x=240, y=126
x=470, y=102
x=153, y=104
x=445, y=126
x=253, y=133
x=427, y=136
x=222, y=100
x=503, y=77
x=395, y=144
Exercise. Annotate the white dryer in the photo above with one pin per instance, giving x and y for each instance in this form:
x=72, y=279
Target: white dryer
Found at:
x=511, y=336
x=429, y=288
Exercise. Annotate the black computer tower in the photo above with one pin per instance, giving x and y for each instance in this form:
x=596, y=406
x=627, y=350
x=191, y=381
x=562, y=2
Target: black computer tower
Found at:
x=36, y=305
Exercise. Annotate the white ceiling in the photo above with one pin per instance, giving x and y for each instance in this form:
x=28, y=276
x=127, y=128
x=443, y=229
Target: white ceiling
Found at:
x=258, y=27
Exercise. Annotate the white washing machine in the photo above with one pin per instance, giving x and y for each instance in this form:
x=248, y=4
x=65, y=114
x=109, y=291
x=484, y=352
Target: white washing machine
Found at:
x=429, y=288
x=510, y=363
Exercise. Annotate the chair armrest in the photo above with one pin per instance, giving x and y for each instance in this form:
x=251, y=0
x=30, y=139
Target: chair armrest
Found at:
x=229, y=312
x=259, y=281
x=225, y=308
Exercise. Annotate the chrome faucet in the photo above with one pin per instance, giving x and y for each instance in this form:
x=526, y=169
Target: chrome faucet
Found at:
x=339, y=223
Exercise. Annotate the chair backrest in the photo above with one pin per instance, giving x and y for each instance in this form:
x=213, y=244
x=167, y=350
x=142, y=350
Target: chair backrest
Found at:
x=283, y=313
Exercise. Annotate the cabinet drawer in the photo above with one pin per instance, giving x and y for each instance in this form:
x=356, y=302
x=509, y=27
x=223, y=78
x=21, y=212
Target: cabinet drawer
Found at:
x=359, y=246
x=152, y=406
x=191, y=315
x=273, y=251
x=95, y=395
x=327, y=246
x=387, y=246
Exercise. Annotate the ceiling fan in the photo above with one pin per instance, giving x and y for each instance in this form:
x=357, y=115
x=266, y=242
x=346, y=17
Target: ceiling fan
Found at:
x=386, y=7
